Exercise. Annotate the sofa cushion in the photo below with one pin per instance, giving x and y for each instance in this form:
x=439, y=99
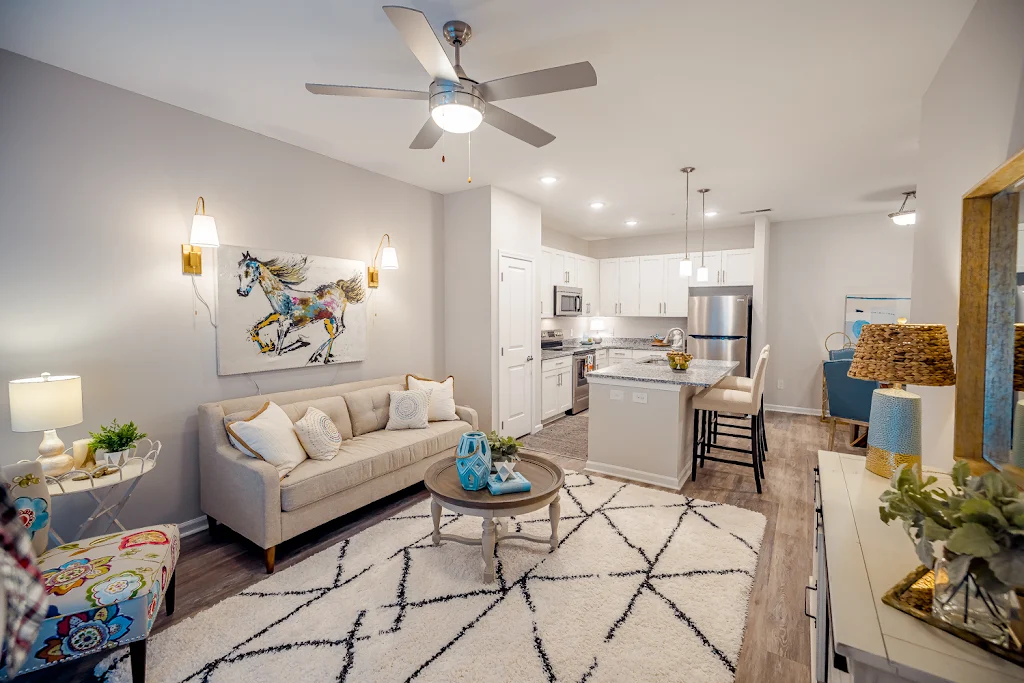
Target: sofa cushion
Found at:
x=366, y=457
x=368, y=408
x=333, y=406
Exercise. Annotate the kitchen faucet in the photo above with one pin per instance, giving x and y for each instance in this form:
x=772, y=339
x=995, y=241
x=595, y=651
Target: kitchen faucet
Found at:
x=682, y=338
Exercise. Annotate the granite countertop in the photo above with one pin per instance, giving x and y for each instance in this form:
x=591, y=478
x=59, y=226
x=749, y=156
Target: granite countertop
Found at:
x=548, y=354
x=702, y=373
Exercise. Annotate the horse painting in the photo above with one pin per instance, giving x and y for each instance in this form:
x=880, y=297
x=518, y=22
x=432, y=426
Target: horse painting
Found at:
x=294, y=309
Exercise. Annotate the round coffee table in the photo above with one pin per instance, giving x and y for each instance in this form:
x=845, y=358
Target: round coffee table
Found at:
x=545, y=477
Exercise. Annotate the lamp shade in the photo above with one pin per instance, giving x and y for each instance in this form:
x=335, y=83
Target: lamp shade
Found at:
x=904, y=354
x=389, y=258
x=596, y=325
x=204, y=231
x=45, y=402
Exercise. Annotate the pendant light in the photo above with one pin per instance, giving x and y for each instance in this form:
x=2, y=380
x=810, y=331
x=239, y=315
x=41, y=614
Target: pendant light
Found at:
x=686, y=265
x=702, y=272
x=904, y=217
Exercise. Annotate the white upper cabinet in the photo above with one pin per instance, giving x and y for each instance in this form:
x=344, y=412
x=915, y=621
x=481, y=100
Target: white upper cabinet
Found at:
x=712, y=260
x=652, y=286
x=571, y=275
x=546, y=286
x=737, y=267
x=588, y=279
x=677, y=288
x=629, y=286
x=608, y=301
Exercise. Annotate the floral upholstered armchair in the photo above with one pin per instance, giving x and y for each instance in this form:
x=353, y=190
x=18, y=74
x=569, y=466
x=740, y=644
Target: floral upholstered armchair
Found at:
x=104, y=592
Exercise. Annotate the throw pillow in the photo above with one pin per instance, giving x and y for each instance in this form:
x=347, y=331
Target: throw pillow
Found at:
x=268, y=435
x=408, y=410
x=318, y=435
x=442, y=396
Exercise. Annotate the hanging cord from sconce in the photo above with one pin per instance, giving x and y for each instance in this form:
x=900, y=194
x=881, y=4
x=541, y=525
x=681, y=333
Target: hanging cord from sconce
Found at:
x=258, y=390
x=197, y=295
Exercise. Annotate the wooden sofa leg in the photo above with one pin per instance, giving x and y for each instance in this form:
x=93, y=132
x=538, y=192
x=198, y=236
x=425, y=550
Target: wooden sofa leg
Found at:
x=137, y=653
x=268, y=555
x=169, y=595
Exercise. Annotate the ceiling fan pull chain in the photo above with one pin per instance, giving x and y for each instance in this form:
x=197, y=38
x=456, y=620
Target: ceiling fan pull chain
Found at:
x=469, y=158
x=442, y=146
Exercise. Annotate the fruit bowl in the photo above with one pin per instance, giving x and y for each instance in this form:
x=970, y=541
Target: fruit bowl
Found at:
x=677, y=360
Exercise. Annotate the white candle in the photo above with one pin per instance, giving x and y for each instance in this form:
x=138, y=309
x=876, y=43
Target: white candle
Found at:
x=80, y=451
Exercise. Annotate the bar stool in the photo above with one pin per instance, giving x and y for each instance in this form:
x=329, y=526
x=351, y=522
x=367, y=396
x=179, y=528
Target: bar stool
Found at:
x=735, y=402
x=747, y=384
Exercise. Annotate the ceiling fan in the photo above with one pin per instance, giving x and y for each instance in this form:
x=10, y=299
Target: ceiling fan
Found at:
x=458, y=104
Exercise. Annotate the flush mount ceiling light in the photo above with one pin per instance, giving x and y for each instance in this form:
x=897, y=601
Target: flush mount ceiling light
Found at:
x=596, y=205
x=905, y=216
x=710, y=214
x=549, y=180
x=686, y=265
x=631, y=223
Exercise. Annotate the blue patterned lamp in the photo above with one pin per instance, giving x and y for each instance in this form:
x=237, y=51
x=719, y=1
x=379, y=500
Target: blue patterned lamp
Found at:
x=900, y=354
x=473, y=460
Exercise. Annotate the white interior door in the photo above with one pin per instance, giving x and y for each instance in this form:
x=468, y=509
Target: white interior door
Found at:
x=516, y=337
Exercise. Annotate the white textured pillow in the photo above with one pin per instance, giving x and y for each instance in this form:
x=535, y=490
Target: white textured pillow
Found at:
x=318, y=435
x=268, y=435
x=442, y=396
x=408, y=410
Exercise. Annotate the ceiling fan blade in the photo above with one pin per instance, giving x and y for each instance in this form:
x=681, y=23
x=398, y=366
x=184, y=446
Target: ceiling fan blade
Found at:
x=422, y=41
x=516, y=127
x=359, y=91
x=428, y=136
x=555, y=79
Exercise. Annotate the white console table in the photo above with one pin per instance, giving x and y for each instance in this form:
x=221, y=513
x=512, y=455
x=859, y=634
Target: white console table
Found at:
x=864, y=558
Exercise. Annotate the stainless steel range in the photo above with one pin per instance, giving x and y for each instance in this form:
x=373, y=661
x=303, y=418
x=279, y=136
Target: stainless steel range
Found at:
x=582, y=363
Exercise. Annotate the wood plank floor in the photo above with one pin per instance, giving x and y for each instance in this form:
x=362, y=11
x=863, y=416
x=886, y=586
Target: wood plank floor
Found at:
x=776, y=645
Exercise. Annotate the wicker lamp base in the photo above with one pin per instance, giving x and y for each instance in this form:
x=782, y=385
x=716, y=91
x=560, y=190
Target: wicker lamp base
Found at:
x=894, y=435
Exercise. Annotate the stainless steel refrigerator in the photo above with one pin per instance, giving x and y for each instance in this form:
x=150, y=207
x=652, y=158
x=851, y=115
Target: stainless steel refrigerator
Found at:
x=718, y=328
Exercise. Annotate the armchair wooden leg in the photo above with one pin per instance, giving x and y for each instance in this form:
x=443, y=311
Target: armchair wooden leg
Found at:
x=268, y=555
x=169, y=595
x=832, y=435
x=137, y=653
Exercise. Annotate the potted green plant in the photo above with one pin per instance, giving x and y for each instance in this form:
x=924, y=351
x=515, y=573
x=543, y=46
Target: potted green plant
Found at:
x=504, y=454
x=971, y=536
x=116, y=440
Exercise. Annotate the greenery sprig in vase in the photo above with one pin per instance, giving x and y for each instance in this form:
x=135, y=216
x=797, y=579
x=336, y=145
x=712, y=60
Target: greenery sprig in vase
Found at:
x=978, y=527
x=503, y=447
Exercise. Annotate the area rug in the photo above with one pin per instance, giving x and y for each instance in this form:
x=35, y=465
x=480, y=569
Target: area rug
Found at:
x=645, y=585
x=566, y=437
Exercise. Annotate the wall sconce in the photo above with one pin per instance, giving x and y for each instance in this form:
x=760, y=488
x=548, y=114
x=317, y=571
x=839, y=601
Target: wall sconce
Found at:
x=204, y=234
x=388, y=261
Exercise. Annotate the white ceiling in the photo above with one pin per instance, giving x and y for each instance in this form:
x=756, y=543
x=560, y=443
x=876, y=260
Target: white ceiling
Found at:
x=810, y=108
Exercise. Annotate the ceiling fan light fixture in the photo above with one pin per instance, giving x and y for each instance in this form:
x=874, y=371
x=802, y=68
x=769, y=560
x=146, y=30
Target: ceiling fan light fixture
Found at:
x=456, y=118
x=905, y=216
x=549, y=179
x=631, y=223
x=710, y=214
x=596, y=206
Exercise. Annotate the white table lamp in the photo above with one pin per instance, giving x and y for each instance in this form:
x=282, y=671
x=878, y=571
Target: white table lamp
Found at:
x=45, y=404
x=597, y=325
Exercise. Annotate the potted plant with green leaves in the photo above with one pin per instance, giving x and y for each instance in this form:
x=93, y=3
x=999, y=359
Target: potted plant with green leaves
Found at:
x=504, y=454
x=117, y=440
x=971, y=536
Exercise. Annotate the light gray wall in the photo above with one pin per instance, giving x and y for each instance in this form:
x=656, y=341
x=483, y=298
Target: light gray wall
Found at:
x=555, y=239
x=972, y=120
x=673, y=243
x=813, y=265
x=97, y=189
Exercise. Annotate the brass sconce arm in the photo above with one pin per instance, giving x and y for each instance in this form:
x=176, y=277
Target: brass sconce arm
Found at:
x=372, y=272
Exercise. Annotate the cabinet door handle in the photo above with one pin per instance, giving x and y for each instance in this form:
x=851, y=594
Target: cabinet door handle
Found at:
x=806, y=613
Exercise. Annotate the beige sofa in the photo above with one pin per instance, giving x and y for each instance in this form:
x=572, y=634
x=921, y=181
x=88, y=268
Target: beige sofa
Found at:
x=246, y=495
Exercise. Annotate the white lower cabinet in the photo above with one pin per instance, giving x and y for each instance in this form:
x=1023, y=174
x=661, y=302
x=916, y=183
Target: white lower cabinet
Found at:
x=601, y=358
x=619, y=354
x=556, y=386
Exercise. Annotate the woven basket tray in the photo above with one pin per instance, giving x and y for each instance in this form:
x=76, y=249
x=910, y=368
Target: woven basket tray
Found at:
x=913, y=596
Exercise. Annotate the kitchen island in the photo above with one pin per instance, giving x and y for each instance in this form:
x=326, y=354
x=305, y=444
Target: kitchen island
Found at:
x=641, y=418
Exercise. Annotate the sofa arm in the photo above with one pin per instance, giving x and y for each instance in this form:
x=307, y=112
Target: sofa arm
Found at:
x=467, y=414
x=242, y=492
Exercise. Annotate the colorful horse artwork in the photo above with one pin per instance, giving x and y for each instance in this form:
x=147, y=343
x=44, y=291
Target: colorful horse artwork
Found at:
x=295, y=309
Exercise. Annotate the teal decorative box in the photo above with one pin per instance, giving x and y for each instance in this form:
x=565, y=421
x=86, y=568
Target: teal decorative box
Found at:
x=473, y=460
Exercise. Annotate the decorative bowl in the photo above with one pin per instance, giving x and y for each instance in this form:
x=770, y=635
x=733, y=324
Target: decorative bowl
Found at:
x=678, y=360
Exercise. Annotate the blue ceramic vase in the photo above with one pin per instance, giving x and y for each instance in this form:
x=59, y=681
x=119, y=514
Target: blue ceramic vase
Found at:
x=473, y=460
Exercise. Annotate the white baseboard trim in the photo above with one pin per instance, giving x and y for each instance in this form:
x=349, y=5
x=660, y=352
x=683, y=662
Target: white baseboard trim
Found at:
x=636, y=475
x=193, y=526
x=793, y=409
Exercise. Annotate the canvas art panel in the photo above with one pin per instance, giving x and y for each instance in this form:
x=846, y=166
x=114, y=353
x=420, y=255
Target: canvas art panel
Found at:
x=865, y=310
x=280, y=310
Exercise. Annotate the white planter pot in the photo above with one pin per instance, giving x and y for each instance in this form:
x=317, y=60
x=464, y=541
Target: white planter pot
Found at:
x=118, y=457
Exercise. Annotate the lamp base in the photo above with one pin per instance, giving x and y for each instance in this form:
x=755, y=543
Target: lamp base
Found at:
x=894, y=434
x=885, y=463
x=52, y=456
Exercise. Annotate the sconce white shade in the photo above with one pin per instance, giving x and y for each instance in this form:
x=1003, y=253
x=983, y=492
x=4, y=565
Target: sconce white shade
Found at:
x=685, y=268
x=204, y=231
x=389, y=259
x=45, y=402
x=702, y=274
x=904, y=217
x=596, y=325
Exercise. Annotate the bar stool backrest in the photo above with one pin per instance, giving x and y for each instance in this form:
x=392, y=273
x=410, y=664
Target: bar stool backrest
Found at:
x=760, y=370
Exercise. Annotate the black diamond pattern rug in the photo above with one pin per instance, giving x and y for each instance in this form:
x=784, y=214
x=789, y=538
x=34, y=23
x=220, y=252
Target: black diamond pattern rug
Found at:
x=645, y=586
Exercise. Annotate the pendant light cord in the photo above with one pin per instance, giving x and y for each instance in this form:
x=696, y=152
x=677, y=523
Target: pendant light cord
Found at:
x=686, y=220
x=702, y=194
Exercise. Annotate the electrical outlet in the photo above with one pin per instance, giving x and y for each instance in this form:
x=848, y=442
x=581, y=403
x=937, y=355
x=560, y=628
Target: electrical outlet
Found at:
x=780, y=384
x=615, y=394
x=639, y=397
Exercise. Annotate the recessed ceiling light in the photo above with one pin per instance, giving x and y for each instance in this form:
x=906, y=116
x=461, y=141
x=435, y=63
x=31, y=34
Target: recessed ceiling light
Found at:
x=710, y=214
x=549, y=180
x=596, y=205
x=631, y=222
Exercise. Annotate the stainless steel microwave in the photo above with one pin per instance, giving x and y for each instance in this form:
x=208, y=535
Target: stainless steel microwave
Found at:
x=568, y=301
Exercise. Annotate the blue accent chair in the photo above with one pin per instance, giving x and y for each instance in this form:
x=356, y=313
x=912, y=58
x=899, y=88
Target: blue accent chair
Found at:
x=842, y=354
x=849, y=399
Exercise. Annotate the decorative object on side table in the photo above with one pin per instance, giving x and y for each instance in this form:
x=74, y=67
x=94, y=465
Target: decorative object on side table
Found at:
x=900, y=354
x=677, y=360
x=117, y=440
x=473, y=460
x=45, y=404
x=978, y=531
x=504, y=454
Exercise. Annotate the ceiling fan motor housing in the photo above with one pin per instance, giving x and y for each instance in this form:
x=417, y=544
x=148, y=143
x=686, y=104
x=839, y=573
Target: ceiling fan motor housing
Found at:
x=464, y=93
